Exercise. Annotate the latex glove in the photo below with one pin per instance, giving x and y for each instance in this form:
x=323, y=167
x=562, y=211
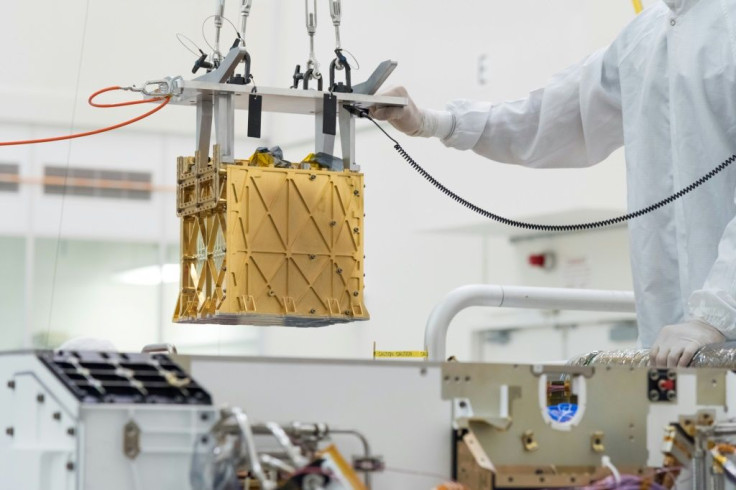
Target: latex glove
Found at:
x=407, y=119
x=677, y=344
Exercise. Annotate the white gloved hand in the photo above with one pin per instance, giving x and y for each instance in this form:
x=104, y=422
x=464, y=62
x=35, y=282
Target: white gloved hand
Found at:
x=677, y=344
x=412, y=120
x=407, y=119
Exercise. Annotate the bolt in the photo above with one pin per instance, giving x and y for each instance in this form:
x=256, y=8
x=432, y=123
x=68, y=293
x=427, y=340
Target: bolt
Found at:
x=70, y=466
x=312, y=177
x=463, y=404
x=654, y=395
x=10, y=431
x=40, y=398
x=339, y=271
x=312, y=311
x=356, y=230
x=312, y=257
x=356, y=193
x=71, y=431
x=57, y=416
x=204, y=416
x=671, y=395
x=11, y=384
x=333, y=223
x=356, y=293
x=271, y=293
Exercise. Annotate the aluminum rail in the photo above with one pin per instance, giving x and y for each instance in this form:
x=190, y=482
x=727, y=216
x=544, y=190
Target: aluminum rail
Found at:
x=435, y=333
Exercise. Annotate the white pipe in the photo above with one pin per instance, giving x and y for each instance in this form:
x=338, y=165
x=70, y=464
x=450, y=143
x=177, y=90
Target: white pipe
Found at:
x=435, y=334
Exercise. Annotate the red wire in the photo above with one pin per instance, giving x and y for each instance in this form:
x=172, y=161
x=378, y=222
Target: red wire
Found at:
x=165, y=100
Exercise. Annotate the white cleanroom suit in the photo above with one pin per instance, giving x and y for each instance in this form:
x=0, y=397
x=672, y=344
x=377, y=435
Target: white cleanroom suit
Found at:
x=666, y=88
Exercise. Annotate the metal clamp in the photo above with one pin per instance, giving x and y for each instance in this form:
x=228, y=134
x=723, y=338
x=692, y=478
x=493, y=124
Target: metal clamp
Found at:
x=311, y=19
x=339, y=63
x=245, y=6
x=336, y=14
x=155, y=88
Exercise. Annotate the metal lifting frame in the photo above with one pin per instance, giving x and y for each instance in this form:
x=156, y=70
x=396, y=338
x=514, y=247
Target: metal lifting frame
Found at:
x=435, y=333
x=217, y=99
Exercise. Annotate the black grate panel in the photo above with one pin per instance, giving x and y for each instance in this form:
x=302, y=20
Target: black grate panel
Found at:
x=109, y=377
x=90, y=182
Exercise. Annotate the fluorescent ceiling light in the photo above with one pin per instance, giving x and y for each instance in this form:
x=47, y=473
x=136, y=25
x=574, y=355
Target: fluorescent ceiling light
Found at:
x=150, y=275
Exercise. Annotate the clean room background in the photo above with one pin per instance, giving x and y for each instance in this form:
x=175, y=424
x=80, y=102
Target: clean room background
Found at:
x=97, y=262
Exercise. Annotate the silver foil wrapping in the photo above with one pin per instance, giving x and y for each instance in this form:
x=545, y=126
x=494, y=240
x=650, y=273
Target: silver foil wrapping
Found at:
x=710, y=356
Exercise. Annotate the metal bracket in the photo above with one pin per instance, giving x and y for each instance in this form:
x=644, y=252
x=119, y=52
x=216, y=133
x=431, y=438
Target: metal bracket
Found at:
x=377, y=78
x=225, y=126
x=204, y=126
x=347, y=139
x=227, y=67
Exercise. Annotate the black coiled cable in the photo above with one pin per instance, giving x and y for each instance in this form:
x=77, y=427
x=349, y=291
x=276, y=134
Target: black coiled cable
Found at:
x=539, y=227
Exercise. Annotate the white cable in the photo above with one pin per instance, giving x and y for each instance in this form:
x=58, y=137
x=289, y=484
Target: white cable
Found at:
x=180, y=36
x=606, y=462
x=204, y=22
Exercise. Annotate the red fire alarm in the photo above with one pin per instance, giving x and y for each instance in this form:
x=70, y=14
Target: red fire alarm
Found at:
x=544, y=260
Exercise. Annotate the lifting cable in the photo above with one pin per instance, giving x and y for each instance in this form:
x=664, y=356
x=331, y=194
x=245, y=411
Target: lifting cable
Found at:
x=535, y=226
x=91, y=101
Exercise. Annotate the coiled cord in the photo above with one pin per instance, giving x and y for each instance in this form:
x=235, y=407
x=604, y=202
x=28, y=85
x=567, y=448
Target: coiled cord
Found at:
x=539, y=227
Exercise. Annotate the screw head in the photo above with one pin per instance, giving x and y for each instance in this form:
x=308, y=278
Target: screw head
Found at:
x=356, y=293
x=57, y=415
x=10, y=431
x=312, y=311
x=11, y=384
x=70, y=466
x=71, y=431
x=40, y=398
x=339, y=271
x=333, y=223
x=312, y=177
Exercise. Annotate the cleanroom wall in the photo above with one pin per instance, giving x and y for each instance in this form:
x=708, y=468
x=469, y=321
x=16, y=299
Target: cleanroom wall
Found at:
x=465, y=49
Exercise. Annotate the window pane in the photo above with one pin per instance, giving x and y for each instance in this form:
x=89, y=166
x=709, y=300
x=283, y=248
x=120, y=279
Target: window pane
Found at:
x=12, y=286
x=87, y=294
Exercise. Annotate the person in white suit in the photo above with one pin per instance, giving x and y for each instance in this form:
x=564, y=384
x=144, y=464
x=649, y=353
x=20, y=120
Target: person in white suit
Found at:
x=666, y=90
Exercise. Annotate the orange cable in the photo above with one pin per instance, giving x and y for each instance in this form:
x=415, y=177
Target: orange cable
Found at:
x=165, y=100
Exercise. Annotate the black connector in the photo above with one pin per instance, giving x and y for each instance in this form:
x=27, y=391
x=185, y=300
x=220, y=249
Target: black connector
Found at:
x=356, y=110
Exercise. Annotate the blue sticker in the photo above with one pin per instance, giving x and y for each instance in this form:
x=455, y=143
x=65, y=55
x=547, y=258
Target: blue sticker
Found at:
x=564, y=412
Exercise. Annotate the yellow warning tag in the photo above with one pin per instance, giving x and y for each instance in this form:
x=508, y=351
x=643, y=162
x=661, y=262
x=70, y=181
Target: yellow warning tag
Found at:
x=398, y=354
